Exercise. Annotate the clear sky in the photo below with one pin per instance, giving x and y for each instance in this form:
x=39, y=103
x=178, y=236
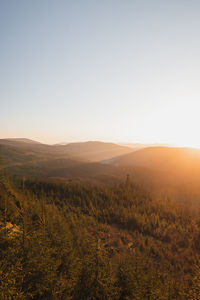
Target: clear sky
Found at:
x=123, y=71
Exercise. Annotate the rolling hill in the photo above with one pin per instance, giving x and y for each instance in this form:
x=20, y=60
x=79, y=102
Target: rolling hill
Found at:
x=88, y=151
x=157, y=167
x=26, y=157
x=160, y=158
x=93, y=151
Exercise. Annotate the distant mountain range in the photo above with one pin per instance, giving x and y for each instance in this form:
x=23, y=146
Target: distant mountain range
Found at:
x=93, y=151
x=88, y=151
x=30, y=158
x=101, y=161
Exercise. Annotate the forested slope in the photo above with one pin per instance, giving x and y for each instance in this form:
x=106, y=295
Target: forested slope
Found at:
x=85, y=241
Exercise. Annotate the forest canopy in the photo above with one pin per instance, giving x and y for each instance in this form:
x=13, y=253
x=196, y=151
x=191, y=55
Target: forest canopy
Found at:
x=85, y=241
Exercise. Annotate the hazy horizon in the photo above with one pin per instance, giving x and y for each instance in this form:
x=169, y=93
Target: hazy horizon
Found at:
x=56, y=141
x=123, y=72
x=127, y=144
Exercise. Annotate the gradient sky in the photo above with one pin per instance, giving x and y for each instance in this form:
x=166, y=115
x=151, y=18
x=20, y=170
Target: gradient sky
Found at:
x=123, y=71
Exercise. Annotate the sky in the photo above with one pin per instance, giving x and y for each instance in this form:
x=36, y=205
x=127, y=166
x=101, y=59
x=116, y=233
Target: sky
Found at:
x=109, y=70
